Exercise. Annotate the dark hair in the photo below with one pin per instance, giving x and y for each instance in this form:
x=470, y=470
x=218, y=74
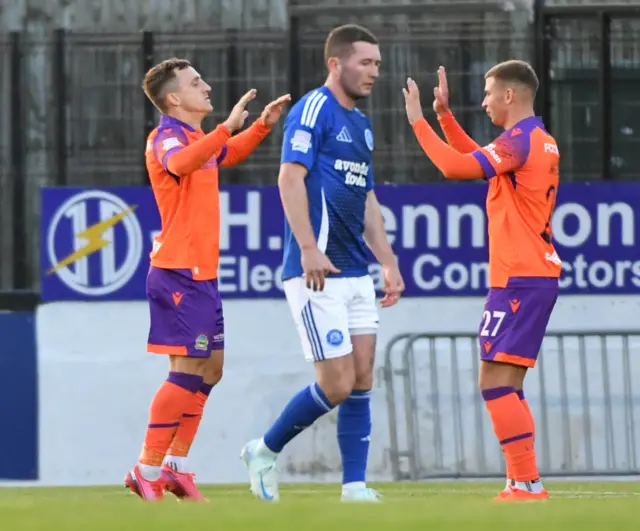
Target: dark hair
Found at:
x=157, y=78
x=515, y=71
x=341, y=39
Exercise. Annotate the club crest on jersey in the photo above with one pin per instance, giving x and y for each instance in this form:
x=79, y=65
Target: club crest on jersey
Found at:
x=368, y=137
x=202, y=342
x=335, y=338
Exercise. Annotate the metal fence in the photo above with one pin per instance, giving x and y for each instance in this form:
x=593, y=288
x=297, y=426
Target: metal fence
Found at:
x=583, y=394
x=78, y=115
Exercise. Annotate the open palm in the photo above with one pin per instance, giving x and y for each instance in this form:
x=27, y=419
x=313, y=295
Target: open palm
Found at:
x=273, y=111
x=441, y=93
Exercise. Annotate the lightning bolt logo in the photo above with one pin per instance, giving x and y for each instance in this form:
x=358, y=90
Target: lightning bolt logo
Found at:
x=95, y=242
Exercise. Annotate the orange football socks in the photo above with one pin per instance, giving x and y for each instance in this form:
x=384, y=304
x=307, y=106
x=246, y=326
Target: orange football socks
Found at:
x=186, y=432
x=172, y=400
x=512, y=425
x=527, y=409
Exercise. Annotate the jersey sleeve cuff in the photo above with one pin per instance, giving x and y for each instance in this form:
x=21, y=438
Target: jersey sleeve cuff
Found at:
x=262, y=128
x=446, y=117
x=225, y=130
x=295, y=160
x=486, y=166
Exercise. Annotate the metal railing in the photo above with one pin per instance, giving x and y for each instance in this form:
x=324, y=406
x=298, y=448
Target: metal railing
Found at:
x=581, y=393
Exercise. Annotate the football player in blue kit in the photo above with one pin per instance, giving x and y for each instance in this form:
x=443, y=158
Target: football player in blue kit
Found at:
x=332, y=217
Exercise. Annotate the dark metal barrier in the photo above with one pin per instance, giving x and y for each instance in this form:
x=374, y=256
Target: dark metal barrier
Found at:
x=583, y=395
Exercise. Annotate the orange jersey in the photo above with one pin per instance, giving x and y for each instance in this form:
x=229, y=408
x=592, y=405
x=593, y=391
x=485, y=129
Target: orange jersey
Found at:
x=189, y=204
x=521, y=166
x=522, y=169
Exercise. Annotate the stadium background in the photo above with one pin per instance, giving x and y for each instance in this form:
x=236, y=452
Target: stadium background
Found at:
x=74, y=115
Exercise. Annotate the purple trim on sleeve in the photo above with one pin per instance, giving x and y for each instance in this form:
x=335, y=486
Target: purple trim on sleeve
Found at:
x=487, y=168
x=175, y=132
x=223, y=154
x=166, y=157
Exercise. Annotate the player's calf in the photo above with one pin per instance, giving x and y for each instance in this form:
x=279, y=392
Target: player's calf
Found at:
x=325, y=322
x=520, y=392
x=354, y=422
x=167, y=408
x=336, y=377
x=170, y=402
x=513, y=326
x=512, y=425
x=260, y=455
x=211, y=369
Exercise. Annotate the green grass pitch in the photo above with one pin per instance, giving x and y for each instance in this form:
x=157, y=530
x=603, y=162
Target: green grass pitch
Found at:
x=437, y=506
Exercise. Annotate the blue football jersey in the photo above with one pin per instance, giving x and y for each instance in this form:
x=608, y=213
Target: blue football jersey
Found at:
x=335, y=145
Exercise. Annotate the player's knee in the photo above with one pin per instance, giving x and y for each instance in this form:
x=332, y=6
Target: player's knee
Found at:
x=364, y=380
x=337, y=379
x=213, y=368
x=337, y=392
x=212, y=375
x=364, y=373
x=364, y=347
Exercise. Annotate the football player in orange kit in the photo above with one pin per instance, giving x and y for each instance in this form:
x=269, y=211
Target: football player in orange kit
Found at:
x=521, y=166
x=182, y=288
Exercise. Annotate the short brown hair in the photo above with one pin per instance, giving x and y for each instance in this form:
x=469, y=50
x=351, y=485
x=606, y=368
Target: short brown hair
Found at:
x=515, y=71
x=157, y=78
x=341, y=39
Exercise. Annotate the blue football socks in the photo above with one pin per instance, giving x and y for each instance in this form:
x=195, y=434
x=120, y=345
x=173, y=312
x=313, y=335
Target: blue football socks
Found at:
x=300, y=413
x=354, y=433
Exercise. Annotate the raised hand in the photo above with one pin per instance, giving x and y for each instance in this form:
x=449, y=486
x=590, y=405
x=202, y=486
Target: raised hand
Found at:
x=412, y=101
x=273, y=111
x=441, y=93
x=239, y=114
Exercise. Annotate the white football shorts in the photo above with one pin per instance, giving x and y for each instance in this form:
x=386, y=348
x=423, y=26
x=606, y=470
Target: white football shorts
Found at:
x=327, y=319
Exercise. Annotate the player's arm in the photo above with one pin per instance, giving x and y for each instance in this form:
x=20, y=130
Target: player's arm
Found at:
x=375, y=234
x=242, y=145
x=506, y=154
x=301, y=143
x=239, y=147
x=503, y=155
x=456, y=136
x=180, y=158
x=293, y=194
x=452, y=163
